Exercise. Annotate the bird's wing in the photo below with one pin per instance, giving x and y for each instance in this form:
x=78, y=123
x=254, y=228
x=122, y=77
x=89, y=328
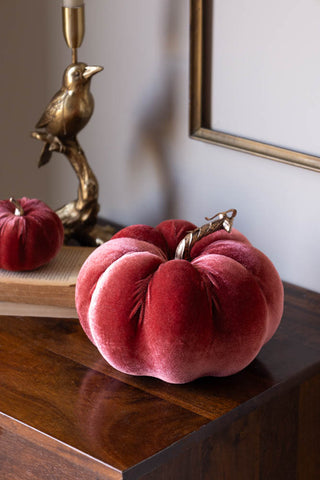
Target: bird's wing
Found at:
x=52, y=109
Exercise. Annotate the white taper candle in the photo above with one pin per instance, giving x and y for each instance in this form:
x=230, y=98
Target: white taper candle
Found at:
x=72, y=3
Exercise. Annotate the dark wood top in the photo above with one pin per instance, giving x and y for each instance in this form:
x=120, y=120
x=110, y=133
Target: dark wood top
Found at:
x=53, y=380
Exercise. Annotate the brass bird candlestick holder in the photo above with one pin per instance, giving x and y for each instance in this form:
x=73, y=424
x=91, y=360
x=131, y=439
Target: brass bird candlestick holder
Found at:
x=66, y=115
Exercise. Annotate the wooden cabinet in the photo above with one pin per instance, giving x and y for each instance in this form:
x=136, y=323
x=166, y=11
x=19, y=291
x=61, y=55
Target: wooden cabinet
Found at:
x=65, y=414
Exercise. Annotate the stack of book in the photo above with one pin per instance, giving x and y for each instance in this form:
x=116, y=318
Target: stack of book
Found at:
x=47, y=291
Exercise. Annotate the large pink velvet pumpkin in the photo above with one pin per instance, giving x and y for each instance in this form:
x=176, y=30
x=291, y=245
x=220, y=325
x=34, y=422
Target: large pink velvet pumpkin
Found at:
x=31, y=234
x=174, y=319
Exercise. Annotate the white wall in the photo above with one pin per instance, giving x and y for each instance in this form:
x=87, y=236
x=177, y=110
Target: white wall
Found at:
x=137, y=141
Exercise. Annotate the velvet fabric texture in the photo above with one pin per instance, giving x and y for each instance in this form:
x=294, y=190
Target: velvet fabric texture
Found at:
x=30, y=240
x=177, y=320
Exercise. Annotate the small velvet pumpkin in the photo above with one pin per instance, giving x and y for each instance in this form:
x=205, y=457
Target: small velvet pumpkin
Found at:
x=149, y=313
x=31, y=234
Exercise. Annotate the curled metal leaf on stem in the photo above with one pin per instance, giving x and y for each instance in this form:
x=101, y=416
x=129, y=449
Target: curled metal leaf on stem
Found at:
x=222, y=220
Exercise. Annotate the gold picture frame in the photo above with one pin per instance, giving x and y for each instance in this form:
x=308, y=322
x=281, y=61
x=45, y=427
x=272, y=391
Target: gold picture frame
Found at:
x=201, y=12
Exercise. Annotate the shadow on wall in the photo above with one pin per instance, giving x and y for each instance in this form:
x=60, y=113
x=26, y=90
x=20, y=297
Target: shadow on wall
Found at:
x=22, y=90
x=155, y=128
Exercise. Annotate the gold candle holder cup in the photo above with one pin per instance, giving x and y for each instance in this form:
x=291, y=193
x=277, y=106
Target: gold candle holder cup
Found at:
x=73, y=28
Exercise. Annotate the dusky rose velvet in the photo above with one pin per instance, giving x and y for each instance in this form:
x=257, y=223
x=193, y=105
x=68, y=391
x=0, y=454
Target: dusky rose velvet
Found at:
x=177, y=320
x=31, y=239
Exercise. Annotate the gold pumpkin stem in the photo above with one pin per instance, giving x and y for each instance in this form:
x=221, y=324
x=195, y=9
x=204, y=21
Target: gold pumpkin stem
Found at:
x=220, y=221
x=18, y=210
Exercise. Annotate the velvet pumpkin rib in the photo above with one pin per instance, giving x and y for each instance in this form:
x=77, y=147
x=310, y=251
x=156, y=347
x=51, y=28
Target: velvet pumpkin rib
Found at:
x=209, y=241
x=260, y=266
x=116, y=312
x=43, y=239
x=12, y=234
x=166, y=235
x=240, y=313
x=178, y=323
x=97, y=263
x=144, y=233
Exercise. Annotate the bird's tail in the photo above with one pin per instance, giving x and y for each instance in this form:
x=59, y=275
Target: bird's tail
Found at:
x=45, y=155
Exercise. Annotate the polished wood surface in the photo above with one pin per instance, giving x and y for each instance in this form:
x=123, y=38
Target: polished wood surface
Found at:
x=66, y=414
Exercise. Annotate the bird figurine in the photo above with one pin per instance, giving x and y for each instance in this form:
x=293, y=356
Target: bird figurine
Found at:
x=69, y=110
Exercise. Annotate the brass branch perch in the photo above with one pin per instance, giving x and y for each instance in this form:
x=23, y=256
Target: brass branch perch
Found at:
x=79, y=217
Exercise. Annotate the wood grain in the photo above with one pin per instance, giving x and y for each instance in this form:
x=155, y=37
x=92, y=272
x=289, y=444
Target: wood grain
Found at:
x=309, y=429
x=68, y=414
x=85, y=409
x=27, y=453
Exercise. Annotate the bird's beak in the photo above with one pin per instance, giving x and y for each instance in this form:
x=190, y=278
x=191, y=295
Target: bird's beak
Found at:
x=89, y=71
